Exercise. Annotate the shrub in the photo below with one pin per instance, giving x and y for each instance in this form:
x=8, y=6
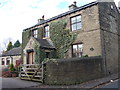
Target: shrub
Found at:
x=12, y=67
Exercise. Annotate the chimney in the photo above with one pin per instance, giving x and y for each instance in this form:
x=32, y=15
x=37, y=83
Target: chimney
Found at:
x=41, y=19
x=73, y=6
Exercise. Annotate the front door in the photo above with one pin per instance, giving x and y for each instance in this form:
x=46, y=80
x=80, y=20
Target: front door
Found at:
x=30, y=58
x=47, y=54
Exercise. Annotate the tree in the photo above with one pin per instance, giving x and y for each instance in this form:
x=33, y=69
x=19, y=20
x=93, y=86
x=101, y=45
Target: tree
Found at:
x=16, y=44
x=9, y=46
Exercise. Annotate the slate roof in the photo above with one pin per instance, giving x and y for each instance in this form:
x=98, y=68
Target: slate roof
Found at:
x=44, y=43
x=13, y=52
x=64, y=14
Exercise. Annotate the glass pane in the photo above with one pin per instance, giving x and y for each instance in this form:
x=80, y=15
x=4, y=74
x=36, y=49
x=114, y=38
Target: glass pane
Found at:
x=79, y=25
x=73, y=27
x=47, y=31
x=73, y=20
x=48, y=34
x=35, y=31
x=74, y=48
x=80, y=47
x=78, y=18
x=45, y=34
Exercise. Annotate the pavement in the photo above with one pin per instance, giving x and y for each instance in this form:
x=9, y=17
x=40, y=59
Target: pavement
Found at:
x=113, y=84
x=89, y=85
x=17, y=83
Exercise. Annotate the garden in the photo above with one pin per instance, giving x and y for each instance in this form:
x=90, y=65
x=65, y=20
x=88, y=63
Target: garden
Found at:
x=10, y=71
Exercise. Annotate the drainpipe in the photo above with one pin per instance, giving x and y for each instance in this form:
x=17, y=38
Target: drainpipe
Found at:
x=104, y=55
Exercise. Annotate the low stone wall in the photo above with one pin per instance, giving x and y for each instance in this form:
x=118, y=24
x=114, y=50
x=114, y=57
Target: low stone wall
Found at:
x=73, y=71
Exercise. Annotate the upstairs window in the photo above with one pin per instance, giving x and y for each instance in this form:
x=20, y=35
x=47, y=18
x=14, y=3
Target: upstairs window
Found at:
x=35, y=33
x=46, y=32
x=77, y=50
x=76, y=23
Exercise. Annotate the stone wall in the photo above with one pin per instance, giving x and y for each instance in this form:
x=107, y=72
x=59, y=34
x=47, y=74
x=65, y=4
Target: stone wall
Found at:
x=73, y=71
x=119, y=40
x=108, y=15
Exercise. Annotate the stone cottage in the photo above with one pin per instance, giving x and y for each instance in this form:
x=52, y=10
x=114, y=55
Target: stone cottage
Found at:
x=12, y=56
x=89, y=30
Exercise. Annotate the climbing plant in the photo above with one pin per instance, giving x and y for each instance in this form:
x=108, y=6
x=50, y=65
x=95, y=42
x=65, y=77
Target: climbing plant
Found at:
x=39, y=54
x=25, y=38
x=61, y=37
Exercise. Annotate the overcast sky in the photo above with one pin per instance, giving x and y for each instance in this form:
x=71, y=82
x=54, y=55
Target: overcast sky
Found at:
x=16, y=15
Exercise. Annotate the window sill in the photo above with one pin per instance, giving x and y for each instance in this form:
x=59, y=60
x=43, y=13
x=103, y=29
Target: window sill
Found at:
x=46, y=38
x=77, y=31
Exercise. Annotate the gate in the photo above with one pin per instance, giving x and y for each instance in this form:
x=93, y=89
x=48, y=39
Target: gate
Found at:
x=32, y=72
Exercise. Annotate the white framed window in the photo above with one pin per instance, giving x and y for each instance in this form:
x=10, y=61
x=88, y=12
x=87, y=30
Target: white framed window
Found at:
x=77, y=50
x=76, y=23
x=35, y=33
x=46, y=32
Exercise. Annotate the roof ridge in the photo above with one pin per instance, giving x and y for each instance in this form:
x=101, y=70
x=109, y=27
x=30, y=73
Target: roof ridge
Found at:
x=64, y=14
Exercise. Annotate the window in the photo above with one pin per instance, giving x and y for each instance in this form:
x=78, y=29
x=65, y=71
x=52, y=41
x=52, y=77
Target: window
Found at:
x=46, y=32
x=34, y=33
x=76, y=23
x=7, y=61
x=77, y=50
x=3, y=62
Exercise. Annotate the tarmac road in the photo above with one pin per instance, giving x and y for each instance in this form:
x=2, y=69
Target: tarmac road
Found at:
x=113, y=84
x=16, y=83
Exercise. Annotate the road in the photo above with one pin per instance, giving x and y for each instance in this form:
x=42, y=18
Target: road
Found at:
x=16, y=83
x=113, y=84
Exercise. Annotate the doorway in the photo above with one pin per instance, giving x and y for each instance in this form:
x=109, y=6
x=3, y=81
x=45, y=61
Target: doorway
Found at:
x=30, y=57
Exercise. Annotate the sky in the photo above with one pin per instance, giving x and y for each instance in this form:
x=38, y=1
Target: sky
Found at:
x=16, y=15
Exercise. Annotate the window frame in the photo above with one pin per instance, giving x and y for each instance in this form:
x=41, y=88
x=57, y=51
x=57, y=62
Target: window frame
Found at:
x=46, y=31
x=7, y=59
x=76, y=22
x=35, y=33
x=80, y=54
x=3, y=61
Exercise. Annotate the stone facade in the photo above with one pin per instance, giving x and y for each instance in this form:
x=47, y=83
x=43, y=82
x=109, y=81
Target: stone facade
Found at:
x=12, y=59
x=99, y=33
x=12, y=56
x=109, y=21
x=30, y=45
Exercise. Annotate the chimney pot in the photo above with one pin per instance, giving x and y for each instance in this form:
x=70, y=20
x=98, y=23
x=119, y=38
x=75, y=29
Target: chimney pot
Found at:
x=41, y=19
x=75, y=3
x=73, y=6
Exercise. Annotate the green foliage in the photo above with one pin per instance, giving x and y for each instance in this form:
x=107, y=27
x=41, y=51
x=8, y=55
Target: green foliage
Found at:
x=85, y=56
x=40, y=32
x=25, y=38
x=12, y=67
x=42, y=54
x=16, y=44
x=61, y=37
x=9, y=46
x=39, y=54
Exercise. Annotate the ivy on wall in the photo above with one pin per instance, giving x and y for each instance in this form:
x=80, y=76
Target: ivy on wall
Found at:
x=25, y=38
x=40, y=32
x=61, y=37
x=39, y=54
